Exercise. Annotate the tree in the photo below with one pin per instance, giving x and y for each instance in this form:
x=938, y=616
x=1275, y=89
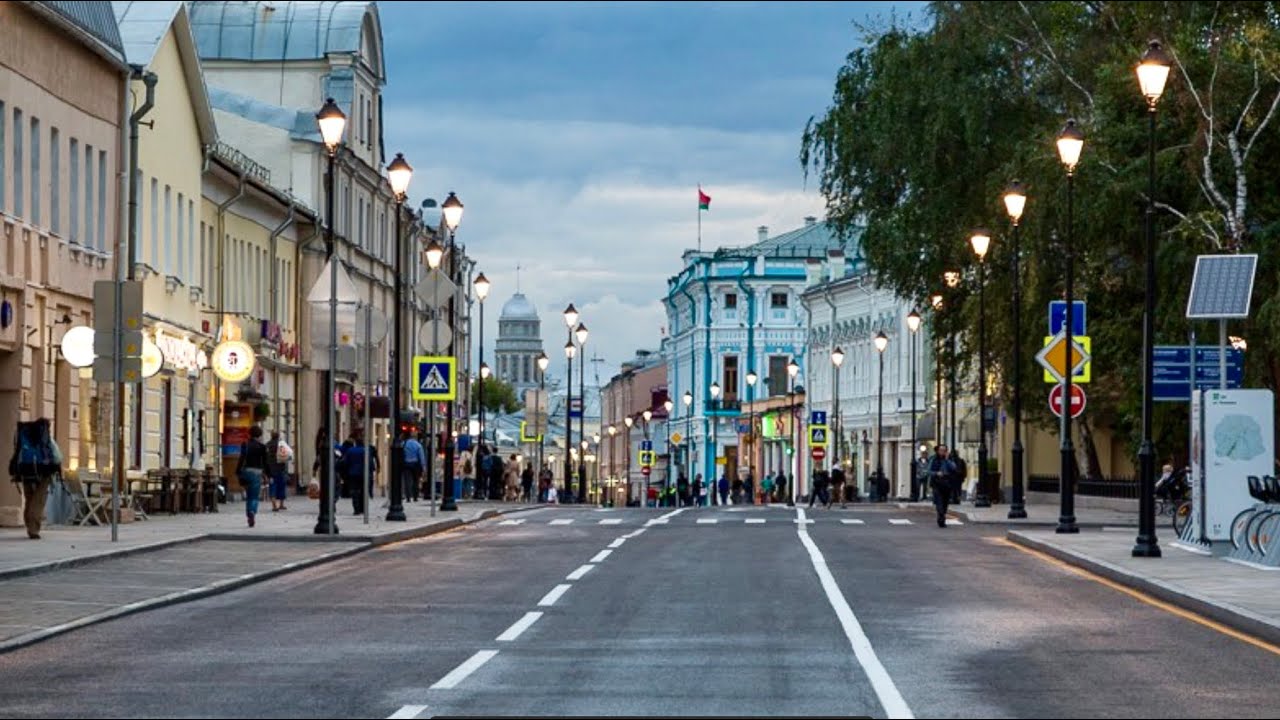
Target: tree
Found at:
x=928, y=126
x=498, y=395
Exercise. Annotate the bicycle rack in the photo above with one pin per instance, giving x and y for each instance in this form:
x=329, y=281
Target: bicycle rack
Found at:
x=1255, y=532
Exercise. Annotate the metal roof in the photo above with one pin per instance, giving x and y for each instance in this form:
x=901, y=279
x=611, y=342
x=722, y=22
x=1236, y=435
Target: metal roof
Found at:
x=813, y=240
x=142, y=26
x=519, y=308
x=274, y=31
x=93, y=17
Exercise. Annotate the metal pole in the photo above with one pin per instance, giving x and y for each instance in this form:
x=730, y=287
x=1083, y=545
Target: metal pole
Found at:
x=791, y=410
x=480, y=385
x=880, y=429
x=395, y=513
x=431, y=406
x=582, y=423
x=542, y=386
x=1067, y=519
x=1147, y=545
x=568, y=424
x=448, y=503
x=951, y=385
x=912, y=454
x=325, y=523
x=368, y=364
x=982, y=499
x=1019, y=508
x=1222, y=355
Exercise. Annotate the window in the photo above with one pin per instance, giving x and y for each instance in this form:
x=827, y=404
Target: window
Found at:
x=155, y=223
x=778, y=375
x=778, y=300
x=729, y=378
x=360, y=119
x=731, y=301
x=368, y=122
x=360, y=223
x=204, y=253
x=368, y=229
x=191, y=238
x=168, y=230
x=55, y=185
x=35, y=171
x=74, y=151
x=2, y=153
x=19, y=199
x=102, y=200
x=182, y=225
x=88, y=196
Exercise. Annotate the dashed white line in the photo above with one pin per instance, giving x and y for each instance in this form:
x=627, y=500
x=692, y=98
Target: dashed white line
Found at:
x=577, y=574
x=886, y=691
x=611, y=521
x=504, y=522
x=707, y=521
x=899, y=521
x=853, y=522
x=519, y=627
x=460, y=673
x=600, y=556
x=658, y=521
x=755, y=521
x=562, y=521
x=633, y=533
x=408, y=711
x=617, y=543
x=550, y=598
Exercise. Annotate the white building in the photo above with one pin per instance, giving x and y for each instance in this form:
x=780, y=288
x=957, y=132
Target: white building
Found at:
x=733, y=311
x=519, y=344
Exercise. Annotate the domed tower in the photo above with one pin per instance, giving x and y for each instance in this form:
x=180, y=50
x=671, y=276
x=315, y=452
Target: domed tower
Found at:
x=519, y=342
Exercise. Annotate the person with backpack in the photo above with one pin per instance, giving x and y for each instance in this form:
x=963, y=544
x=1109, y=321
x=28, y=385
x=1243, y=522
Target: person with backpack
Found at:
x=838, y=486
x=36, y=460
x=820, y=482
x=942, y=470
x=251, y=468
x=526, y=483
x=353, y=470
x=278, y=456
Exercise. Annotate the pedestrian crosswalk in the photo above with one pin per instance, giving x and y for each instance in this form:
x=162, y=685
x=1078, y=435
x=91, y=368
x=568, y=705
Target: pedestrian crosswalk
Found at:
x=714, y=521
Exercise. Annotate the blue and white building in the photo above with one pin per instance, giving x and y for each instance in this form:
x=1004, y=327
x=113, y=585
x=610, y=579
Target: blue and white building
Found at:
x=733, y=311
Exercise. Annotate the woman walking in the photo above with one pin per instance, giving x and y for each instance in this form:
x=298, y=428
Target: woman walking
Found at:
x=251, y=468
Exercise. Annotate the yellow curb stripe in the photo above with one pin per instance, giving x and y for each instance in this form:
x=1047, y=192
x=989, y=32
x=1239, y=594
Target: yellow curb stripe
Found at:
x=1144, y=598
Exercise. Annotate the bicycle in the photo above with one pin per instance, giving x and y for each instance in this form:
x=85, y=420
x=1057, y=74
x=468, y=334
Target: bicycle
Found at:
x=1172, y=500
x=1254, y=527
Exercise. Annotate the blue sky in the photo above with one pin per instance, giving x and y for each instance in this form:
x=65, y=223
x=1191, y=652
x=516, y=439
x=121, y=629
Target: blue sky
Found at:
x=576, y=135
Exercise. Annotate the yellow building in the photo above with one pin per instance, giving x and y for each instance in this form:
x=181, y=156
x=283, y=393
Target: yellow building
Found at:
x=62, y=83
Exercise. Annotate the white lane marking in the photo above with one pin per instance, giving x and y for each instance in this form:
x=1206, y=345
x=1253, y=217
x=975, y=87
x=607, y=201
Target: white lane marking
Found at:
x=600, y=556
x=755, y=521
x=461, y=672
x=707, y=521
x=802, y=521
x=504, y=522
x=611, y=521
x=520, y=626
x=550, y=598
x=562, y=521
x=577, y=574
x=408, y=711
x=953, y=522
x=633, y=533
x=899, y=521
x=617, y=543
x=886, y=691
x=853, y=522
x=671, y=514
x=657, y=521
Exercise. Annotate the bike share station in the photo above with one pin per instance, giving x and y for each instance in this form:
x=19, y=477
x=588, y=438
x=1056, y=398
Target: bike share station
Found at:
x=1232, y=428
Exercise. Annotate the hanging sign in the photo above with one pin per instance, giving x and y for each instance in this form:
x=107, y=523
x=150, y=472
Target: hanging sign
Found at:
x=232, y=361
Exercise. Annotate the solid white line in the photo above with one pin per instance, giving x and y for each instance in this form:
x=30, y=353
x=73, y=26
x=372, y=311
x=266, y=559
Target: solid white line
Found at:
x=562, y=521
x=611, y=521
x=707, y=521
x=504, y=522
x=600, y=556
x=520, y=626
x=853, y=522
x=899, y=521
x=408, y=711
x=755, y=521
x=461, y=672
x=617, y=543
x=550, y=598
x=633, y=533
x=577, y=574
x=887, y=692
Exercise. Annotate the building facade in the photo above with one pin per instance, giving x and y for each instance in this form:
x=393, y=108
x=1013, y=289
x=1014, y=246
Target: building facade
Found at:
x=518, y=345
x=733, y=312
x=640, y=385
x=63, y=79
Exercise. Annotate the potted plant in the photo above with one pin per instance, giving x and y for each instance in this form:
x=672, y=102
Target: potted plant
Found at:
x=261, y=411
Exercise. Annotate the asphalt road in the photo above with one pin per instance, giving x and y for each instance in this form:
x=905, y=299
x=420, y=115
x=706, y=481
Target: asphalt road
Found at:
x=679, y=618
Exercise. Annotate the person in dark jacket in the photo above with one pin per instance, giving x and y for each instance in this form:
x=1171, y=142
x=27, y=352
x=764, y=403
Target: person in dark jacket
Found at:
x=723, y=487
x=526, y=483
x=837, y=486
x=819, y=492
x=942, y=469
x=251, y=468
x=957, y=478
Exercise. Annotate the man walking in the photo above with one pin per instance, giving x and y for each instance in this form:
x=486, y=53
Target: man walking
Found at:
x=941, y=471
x=837, y=486
x=415, y=459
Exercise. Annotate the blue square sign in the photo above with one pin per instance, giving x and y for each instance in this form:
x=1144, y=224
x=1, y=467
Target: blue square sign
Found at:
x=434, y=378
x=646, y=444
x=818, y=417
x=1058, y=317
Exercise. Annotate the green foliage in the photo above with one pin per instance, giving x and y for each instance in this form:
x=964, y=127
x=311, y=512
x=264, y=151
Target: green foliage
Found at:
x=499, y=396
x=927, y=127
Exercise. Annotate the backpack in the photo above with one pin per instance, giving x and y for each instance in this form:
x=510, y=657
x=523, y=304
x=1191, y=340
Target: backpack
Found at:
x=33, y=454
x=284, y=453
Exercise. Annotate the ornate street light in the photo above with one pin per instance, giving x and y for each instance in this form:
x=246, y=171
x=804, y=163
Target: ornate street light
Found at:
x=332, y=123
x=881, y=343
x=1070, y=144
x=1015, y=200
x=913, y=324
x=980, y=240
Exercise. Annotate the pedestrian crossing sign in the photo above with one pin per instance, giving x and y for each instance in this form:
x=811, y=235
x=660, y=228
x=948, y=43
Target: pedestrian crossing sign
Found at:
x=524, y=437
x=434, y=378
x=817, y=436
x=646, y=458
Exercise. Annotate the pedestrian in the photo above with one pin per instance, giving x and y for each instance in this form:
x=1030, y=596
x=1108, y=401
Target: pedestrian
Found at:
x=415, y=460
x=780, y=481
x=551, y=493
x=766, y=487
x=353, y=470
x=36, y=460
x=511, y=480
x=920, y=477
x=278, y=456
x=251, y=468
x=682, y=488
x=723, y=487
x=526, y=483
x=958, y=478
x=737, y=491
x=699, y=490
x=819, y=492
x=837, y=486
x=941, y=472
x=749, y=489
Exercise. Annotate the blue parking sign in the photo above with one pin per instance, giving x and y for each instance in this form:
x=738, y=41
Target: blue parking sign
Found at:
x=434, y=378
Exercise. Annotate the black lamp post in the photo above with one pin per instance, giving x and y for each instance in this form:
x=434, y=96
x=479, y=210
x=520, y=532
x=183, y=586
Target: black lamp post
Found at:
x=1015, y=199
x=935, y=301
x=669, y=406
x=451, y=209
x=793, y=369
x=715, y=427
x=481, y=285
x=837, y=359
x=952, y=279
x=647, y=415
x=629, y=421
x=581, y=334
x=399, y=174
x=881, y=342
x=913, y=324
x=570, y=317
x=687, y=398
x=613, y=460
x=981, y=241
x=332, y=122
x=1070, y=143
x=1153, y=71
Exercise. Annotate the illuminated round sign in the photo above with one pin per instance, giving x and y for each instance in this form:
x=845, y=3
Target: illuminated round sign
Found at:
x=77, y=346
x=232, y=360
x=152, y=358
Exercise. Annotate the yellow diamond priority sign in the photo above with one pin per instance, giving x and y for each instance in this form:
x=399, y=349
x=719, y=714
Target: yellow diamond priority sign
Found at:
x=1054, y=357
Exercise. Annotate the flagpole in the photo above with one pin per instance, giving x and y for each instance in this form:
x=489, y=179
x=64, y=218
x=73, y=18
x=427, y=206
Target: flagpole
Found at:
x=699, y=217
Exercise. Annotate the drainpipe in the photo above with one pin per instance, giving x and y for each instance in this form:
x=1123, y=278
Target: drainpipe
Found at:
x=835, y=414
x=693, y=364
x=275, y=310
x=750, y=296
x=709, y=422
x=149, y=79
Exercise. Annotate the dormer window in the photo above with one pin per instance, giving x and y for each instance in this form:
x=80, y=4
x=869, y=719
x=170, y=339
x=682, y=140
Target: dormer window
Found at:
x=731, y=301
x=778, y=301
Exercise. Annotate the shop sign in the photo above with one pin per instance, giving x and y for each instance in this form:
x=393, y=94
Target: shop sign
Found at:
x=179, y=352
x=233, y=361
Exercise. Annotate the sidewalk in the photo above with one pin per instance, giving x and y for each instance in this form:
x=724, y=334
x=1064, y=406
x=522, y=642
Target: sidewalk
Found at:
x=75, y=576
x=1037, y=515
x=1235, y=595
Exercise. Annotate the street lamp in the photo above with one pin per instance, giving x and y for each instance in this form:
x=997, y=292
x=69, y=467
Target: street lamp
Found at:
x=1015, y=200
x=882, y=342
x=668, y=406
x=543, y=363
x=332, y=122
x=451, y=210
x=952, y=280
x=581, y=333
x=1153, y=71
x=481, y=286
x=399, y=173
x=837, y=359
x=629, y=421
x=687, y=398
x=980, y=240
x=569, y=351
x=1070, y=143
x=613, y=457
x=752, y=444
x=715, y=428
x=647, y=415
x=435, y=253
x=939, y=427
x=793, y=369
x=913, y=324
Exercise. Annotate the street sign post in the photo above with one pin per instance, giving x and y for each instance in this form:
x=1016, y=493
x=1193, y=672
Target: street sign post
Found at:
x=1053, y=358
x=818, y=417
x=1171, y=373
x=818, y=453
x=646, y=444
x=818, y=436
x=1058, y=317
x=1077, y=401
x=435, y=377
x=676, y=438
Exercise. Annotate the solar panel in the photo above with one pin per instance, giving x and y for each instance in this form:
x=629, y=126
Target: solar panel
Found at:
x=1221, y=287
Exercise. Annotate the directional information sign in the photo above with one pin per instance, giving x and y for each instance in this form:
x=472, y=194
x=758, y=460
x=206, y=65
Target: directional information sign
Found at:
x=818, y=436
x=1058, y=317
x=1053, y=358
x=435, y=377
x=646, y=444
x=575, y=407
x=1171, y=372
x=817, y=417
x=1077, y=401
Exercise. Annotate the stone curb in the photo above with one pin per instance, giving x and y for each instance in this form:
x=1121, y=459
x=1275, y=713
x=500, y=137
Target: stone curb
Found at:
x=1230, y=615
x=37, y=568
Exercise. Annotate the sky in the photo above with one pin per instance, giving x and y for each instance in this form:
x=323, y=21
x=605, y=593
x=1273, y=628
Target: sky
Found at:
x=576, y=135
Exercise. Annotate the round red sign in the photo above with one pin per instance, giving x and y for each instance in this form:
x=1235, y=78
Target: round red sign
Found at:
x=1077, y=401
